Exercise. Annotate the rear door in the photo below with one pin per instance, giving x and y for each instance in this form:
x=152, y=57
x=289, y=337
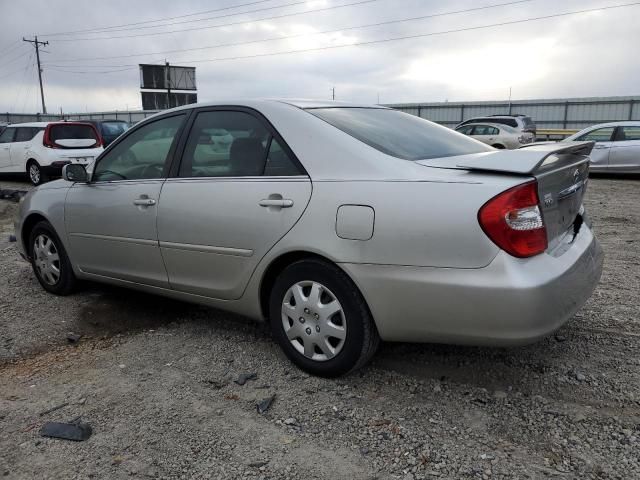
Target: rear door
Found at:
x=599, y=160
x=5, y=148
x=21, y=145
x=485, y=133
x=238, y=190
x=111, y=221
x=624, y=155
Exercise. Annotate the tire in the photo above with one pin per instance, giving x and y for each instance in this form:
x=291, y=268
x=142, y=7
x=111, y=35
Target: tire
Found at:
x=35, y=174
x=314, y=348
x=44, y=264
x=498, y=146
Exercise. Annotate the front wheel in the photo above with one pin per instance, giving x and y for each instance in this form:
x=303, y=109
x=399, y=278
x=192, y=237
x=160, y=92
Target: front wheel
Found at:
x=49, y=260
x=320, y=319
x=35, y=173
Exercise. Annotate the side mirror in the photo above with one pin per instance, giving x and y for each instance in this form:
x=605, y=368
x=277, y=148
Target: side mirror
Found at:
x=75, y=172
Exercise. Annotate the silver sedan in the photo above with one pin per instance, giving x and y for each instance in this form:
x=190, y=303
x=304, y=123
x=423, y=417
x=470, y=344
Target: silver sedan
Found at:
x=341, y=225
x=617, y=146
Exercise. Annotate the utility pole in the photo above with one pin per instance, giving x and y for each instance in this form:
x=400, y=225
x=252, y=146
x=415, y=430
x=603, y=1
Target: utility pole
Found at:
x=168, y=80
x=37, y=44
x=333, y=93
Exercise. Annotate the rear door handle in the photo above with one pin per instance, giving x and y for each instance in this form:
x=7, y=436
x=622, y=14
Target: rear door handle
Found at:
x=279, y=203
x=144, y=202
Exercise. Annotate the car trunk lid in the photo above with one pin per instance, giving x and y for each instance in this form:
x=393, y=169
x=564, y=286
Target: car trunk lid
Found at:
x=561, y=171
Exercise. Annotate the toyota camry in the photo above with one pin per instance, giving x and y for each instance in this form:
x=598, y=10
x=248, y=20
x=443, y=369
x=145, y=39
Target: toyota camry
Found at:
x=341, y=225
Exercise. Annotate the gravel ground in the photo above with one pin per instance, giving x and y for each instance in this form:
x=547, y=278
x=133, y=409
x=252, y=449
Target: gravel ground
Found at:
x=154, y=378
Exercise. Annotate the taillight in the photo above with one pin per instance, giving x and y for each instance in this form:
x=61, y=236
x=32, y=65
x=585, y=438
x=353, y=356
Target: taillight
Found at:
x=513, y=221
x=46, y=139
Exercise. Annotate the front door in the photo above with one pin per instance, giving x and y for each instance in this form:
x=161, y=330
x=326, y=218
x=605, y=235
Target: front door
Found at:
x=625, y=150
x=239, y=190
x=111, y=221
x=599, y=157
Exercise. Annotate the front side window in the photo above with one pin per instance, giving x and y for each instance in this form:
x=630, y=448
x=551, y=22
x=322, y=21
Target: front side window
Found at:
x=598, y=135
x=233, y=144
x=465, y=130
x=141, y=155
x=7, y=135
x=399, y=134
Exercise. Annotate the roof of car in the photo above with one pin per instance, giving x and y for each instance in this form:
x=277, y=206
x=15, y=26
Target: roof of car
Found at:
x=30, y=124
x=257, y=102
x=628, y=123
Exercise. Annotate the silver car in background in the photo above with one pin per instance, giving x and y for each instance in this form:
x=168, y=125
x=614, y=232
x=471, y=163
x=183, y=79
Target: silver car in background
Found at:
x=496, y=135
x=341, y=225
x=616, y=149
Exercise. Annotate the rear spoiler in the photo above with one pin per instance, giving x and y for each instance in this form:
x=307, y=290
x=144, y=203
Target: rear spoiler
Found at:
x=526, y=160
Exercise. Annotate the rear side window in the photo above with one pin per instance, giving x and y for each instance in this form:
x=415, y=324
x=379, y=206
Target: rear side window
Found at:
x=7, y=135
x=63, y=132
x=233, y=144
x=25, y=134
x=503, y=121
x=628, y=133
x=399, y=134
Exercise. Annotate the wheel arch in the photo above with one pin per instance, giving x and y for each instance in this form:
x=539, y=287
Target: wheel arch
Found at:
x=281, y=262
x=27, y=227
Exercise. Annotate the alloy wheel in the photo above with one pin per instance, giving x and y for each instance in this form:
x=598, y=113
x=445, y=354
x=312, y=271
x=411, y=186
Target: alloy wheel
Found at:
x=34, y=173
x=314, y=321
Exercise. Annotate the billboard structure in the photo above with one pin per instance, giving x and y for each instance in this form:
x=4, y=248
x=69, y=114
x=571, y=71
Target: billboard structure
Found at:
x=167, y=78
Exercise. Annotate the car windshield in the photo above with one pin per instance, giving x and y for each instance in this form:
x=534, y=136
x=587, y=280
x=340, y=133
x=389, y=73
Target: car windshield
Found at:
x=399, y=134
x=114, y=128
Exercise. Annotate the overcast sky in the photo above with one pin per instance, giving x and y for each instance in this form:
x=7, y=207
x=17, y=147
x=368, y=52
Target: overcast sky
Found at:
x=588, y=54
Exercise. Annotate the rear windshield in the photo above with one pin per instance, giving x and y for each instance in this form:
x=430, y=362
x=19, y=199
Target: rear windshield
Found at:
x=399, y=134
x=114, y=128
x=72, y=132
x=527, y=121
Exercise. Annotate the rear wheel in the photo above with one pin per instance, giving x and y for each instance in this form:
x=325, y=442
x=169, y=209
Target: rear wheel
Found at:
x=34, y=171
x=49, y=260
x=320, y=319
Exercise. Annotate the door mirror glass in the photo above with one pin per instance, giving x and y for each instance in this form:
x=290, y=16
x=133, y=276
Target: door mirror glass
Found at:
x=75, y=173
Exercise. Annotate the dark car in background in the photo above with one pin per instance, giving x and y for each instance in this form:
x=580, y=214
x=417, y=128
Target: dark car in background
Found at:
x=109, y=129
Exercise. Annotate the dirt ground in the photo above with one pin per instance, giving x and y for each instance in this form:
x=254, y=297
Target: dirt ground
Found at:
x=154, y=379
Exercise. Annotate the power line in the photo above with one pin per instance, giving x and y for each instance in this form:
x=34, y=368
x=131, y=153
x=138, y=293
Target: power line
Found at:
x=11, y=48
x=285, y=37
x=292, y=4
x=286, y=15
x=18, y=57
x=154, y=21
x=408, y=37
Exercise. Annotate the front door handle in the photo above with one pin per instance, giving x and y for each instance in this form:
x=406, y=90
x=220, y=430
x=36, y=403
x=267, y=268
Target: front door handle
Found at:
x=278, y=203
x=144, y=202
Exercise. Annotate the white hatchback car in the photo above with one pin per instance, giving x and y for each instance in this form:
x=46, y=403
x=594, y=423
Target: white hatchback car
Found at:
x=41, y=149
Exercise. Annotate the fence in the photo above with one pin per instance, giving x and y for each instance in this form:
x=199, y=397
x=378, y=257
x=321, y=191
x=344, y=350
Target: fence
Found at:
x=129, y=116
x=571, y=113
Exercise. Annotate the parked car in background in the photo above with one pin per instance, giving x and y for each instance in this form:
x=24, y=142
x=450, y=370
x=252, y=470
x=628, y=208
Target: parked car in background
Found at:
x=41, y=149
x=521, y=123
x=109, y=130
x=496, y=135
x=341, y=224
x=617, y=147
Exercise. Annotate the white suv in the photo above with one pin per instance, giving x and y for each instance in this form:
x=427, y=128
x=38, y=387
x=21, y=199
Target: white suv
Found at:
x=41, y=149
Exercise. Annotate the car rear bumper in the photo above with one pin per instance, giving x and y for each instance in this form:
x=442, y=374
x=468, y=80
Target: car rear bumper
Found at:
x=512, y=301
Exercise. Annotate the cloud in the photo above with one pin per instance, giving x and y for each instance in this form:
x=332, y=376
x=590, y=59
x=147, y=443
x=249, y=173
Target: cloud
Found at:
x=583, y=55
